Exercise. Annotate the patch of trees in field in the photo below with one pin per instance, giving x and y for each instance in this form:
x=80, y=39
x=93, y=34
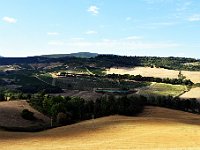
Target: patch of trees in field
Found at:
x=25, y=92
x=67, y=110
x=6, y=94
x=151, y=79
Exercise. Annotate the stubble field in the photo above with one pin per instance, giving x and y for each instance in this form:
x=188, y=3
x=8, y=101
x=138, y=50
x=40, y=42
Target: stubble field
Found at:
x=155, y=128
x=193, y=93
x=194, y=76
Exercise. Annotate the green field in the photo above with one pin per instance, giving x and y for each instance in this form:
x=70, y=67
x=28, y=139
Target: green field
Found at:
x=163, y=89
x=46, y=77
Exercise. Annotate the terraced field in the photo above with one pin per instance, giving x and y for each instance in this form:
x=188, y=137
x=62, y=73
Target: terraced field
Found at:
x=156, y=128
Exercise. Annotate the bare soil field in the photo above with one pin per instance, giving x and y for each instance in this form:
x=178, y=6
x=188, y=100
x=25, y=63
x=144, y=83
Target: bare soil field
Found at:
x=10, y=115
x=193, y=93
x=156, y=128
x=194, y=76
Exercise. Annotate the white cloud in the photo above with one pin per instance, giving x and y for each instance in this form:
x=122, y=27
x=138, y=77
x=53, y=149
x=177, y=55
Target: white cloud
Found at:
x=117, y=46
x=9, y=20
x=183, y=6
x=195, y=17
x=133, y=38
x=56, y=43
x=107, y=40
x=157, y=25
x=127, y=46
x=94, y=10
x=128, y=18
x=77, y=39
x=52, y=33
x=91, y=32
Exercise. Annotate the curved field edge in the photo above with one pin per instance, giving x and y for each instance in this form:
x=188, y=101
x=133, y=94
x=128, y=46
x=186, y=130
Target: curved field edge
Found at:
x=155, y=128
x=192, y=93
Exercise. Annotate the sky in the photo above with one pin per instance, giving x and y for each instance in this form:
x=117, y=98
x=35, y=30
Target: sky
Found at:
x=122, y=27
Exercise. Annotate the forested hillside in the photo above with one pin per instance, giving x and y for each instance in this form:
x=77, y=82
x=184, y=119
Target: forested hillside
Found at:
x=107, y=61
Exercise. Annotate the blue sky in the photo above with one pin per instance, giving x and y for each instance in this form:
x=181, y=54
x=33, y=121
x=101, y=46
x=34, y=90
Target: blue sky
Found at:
x=124, y=27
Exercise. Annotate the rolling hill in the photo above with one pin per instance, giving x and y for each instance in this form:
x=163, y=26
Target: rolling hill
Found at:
x=155, y=128
x=10, y=117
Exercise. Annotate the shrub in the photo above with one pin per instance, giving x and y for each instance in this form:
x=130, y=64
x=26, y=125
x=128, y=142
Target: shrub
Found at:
x=28, y=115
x=2, y=97
x=64, y=118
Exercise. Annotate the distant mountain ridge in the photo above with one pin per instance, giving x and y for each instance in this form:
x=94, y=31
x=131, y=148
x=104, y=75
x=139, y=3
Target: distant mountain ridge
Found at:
x=107, y=61
x=79, y=54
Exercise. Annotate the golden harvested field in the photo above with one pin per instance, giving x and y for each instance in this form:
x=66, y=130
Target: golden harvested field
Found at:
x=193, y=93
x=10, y=115
x=194, y=76
x=156, y=128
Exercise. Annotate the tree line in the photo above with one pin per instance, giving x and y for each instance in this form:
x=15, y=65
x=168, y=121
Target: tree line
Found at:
x=189, y=105
x=67, y=110
x=151, y=79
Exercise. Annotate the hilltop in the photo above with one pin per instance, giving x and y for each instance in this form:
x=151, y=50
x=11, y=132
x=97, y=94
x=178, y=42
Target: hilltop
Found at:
x=79, y=54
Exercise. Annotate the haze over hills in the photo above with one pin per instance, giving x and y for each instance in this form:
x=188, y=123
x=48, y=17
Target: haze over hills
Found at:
x=79, y=54
x=90, y=55
x=105, y=60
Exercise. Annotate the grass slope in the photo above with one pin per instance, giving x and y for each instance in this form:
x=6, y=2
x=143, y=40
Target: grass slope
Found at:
x=156, y=128
x=10, y=116
x=163, y=89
